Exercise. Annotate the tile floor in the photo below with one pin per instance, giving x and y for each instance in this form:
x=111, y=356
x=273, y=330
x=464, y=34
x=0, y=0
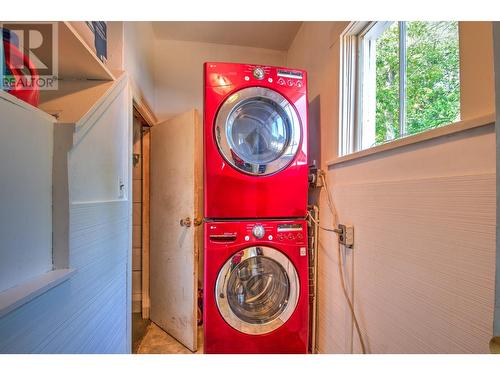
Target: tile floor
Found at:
x=157, y=341
x=139, y=328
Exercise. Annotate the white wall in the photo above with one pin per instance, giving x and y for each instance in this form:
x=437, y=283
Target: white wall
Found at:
x=179, y=71
x=26, y=137
x=100, y=159
x=424, y=218
x=139, y=58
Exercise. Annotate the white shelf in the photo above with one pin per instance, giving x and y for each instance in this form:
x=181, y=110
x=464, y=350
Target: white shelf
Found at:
x=17, y=296
x=83, y=79
x=76, y=59
x=73, y=99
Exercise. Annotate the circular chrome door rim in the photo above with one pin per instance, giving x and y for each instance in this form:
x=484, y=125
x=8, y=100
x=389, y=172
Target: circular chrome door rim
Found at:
x=221, y=286
x=221, y=135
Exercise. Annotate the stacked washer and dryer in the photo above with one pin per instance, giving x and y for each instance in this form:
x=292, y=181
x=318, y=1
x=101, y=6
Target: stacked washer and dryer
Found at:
x=256, y=291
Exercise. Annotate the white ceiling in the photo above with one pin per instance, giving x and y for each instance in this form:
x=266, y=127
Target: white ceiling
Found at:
x=271, y=35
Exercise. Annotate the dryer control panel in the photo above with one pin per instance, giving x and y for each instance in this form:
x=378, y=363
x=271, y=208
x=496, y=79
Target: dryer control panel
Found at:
x=279, y=76
x=227, y=74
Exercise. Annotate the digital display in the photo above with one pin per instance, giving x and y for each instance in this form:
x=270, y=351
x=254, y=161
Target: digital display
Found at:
x=289, y=74
x=289, y=227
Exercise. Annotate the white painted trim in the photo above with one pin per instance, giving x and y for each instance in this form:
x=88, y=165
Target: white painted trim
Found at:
x=455, y=127
x=142, y=106
x=82, y=203
x=130, y=126
x=17, y=296
x=63, y=142
x=496, y=56
x=83, y=125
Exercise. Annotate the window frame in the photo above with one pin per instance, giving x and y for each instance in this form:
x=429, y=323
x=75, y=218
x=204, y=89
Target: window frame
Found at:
x=353, y=95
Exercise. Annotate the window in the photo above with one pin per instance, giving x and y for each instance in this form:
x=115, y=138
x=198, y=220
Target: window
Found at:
x=397, y=79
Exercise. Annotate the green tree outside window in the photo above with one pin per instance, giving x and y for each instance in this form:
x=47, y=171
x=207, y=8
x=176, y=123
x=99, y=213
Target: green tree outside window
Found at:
x=432, y=78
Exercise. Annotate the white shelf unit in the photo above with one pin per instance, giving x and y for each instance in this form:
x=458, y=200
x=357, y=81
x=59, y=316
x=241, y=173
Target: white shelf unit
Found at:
x=76, y=59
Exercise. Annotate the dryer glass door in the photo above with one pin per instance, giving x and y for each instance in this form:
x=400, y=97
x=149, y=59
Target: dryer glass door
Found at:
x=257, y=290
x=258, y=131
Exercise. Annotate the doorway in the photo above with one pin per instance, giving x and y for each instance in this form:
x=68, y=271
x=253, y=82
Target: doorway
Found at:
x=140, y=228
x=167, y=238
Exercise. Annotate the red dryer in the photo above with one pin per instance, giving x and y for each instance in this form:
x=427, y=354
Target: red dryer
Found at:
x=255, y=130
x=256, y=287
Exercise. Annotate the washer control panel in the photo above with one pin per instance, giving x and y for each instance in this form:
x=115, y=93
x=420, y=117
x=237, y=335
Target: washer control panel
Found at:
x=287, y=232
x=290, y=232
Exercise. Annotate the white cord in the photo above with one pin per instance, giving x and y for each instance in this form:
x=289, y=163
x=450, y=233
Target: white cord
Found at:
x=338, y=231
x=340, y=263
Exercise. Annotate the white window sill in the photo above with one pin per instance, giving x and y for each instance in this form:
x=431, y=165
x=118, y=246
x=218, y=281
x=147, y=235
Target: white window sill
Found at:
x=456, y=127
x=17, y=296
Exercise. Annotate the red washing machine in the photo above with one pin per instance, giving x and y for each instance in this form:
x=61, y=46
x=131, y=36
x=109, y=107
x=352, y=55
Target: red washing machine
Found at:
x=255, y=126
x=256, y=287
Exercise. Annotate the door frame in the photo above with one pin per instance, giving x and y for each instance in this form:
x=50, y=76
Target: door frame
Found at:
x=140, y=105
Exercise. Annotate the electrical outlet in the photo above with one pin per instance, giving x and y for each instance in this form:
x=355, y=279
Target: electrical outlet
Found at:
x=312, y=177
x=319, y=181
x=315, y=180
x=346, y=237
x=121, y=188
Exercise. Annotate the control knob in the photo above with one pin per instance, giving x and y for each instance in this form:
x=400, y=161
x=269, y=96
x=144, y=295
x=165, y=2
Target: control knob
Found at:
x=258, y=73
x=258, y=231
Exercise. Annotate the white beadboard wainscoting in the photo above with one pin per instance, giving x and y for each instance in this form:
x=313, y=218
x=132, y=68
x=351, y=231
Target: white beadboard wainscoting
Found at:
x=88, y=312
x=423, y=266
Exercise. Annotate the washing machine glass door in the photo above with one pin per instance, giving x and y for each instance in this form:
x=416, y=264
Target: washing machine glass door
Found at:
x=257, y=290
x=258, y=131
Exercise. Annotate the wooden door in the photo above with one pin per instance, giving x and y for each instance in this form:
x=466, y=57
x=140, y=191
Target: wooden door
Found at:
x=175, y=186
